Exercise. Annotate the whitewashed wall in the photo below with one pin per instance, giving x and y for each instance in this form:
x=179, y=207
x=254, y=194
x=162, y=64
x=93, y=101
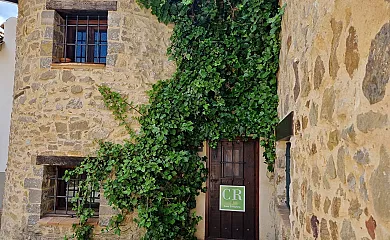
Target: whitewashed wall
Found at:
x=7, y=69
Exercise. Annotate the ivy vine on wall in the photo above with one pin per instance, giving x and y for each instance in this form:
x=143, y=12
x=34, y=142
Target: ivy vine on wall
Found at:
x=226, y=53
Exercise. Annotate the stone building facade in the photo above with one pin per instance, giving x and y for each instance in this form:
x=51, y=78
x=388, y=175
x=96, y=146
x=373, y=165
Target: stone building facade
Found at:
x=58, y=111
x=334, y=68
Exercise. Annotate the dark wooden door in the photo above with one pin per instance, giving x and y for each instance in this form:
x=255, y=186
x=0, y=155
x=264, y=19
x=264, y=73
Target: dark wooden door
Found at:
x=233, y=163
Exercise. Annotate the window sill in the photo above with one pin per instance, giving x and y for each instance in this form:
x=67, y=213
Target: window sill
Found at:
x=77, y=66
x=64, y=221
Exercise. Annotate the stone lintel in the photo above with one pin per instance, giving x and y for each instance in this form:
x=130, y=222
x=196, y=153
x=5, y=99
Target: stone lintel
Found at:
x=59, y=160
x=86, y=5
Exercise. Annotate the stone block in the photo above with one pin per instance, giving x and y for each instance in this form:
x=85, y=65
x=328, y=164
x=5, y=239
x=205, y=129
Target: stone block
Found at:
x=49, y=33
x=341, y=155
x=45, y=62
x=34, y=36
x=115, y=47
x=76, y=89
x=349, y=134
x=33, y=219
x=74, y=103
x=337, y=27
x=48, y=75
x=32, y=183
x=379, y=184
x=314, y=226
x=324, y=231
x=363, y=189
x=334, y=230
x=34, y=196
x=336, y=204
x=334, y=138
x=347, y=232
x=327, y=205
x=319, y=71
x=86, y=79
x=378, y=67
x=367, y=122
x=67, y=76
x=34, y=208
x=76, y=135
x=47, y=17
x=352, y=56
x=328, y=104
x=317, y=200
x=111, y=59
x=330, y=168
x=107, y=210
x=114, y=34
x=46, y=48
x=114, y=19
x=351, y=180
x=78, y=126
x=61, y=127
x=354, y=210
x=371, y=226
x=99, y=133
x=104, y=221
x=362, y=156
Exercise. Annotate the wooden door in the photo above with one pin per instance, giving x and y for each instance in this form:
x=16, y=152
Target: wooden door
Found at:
x=233, y=163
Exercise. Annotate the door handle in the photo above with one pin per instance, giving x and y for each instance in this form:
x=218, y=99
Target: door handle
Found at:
x=213, y=180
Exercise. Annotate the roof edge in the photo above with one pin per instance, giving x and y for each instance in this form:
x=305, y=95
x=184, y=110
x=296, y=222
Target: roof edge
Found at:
x=12, y=1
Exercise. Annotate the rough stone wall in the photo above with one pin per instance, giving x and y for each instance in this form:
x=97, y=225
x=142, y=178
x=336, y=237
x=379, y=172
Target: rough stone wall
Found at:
x=334, y=68
x=58, y=111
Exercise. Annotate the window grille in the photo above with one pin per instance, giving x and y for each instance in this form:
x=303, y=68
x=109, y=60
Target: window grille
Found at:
x=64, y=192
x=85, y=38
x=232, y=164
x=288, y=176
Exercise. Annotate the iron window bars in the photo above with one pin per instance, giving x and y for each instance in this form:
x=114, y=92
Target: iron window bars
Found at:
x=232, y=161
x=85, y=38
x=64, y=192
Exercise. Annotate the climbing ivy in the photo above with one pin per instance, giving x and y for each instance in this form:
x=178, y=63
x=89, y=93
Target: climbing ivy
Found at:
x=226, y=53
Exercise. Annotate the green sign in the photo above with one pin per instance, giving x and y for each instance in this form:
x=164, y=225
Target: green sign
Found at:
x=232, y=198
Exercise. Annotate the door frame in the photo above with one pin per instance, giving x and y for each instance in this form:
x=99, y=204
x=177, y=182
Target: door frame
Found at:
x=257, y=178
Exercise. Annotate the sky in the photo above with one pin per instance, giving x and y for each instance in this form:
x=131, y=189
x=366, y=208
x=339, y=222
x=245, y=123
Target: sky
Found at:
x=7, y=10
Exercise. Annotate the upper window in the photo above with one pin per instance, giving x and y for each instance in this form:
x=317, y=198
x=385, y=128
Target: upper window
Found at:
x=85, y=38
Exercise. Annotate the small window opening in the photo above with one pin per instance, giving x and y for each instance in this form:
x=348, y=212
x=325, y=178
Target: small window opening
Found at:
x=63, y=192
x=85, y=37
x=232, y=164
x=288, y=174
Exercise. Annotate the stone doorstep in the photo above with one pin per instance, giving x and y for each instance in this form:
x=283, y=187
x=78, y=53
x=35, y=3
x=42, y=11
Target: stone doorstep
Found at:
x=64, y=221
